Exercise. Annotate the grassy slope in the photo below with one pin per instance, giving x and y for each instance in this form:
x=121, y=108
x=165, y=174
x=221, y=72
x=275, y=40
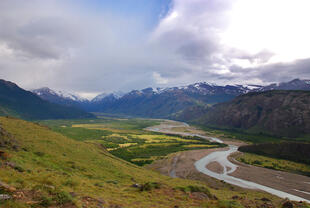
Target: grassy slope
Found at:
x=53, y=164
x=126, y=138
x=276, y=164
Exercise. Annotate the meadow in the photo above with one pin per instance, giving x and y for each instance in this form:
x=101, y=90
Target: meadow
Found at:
x=250, y=137
x=45, y=169
x=274, y=163
x=127, y=139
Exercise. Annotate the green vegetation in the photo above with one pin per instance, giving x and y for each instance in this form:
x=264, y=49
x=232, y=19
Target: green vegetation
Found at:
x=242, y=135
x=293, y=151
x=276, y=164
x=145, y=152
x=150, y=186
x=192, y=189
x=63, y=172
x=127, y=139
x=248, y=136
x=81, y=134
x=59, y=171
x=229, y=204
x=105, y=122
x=286, y=156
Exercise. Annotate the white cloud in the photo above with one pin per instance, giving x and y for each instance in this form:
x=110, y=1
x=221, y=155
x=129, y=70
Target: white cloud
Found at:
x=279, y=26
x=159, y=79
x=63, y=46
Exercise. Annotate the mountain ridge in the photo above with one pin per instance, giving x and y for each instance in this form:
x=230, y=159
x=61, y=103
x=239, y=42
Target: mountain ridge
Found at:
x=165, y=102
x=281, y=113
x=15, y=101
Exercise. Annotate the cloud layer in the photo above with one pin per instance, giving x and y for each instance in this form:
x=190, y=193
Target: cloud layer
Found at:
x=73, y=47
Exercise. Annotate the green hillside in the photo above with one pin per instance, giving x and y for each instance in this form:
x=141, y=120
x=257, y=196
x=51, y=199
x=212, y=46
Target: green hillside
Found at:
x=14, y=101
x=41, y=168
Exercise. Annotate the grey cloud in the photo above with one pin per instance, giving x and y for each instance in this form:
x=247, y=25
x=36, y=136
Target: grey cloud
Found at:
x=62, y=47
x=260, y=57
x=31, y=34
x=191, y=32
x=276, y=72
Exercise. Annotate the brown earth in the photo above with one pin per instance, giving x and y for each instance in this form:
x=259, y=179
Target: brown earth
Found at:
x=184, y=168
x=284, y=181
x=181, y=164
x=215, y=167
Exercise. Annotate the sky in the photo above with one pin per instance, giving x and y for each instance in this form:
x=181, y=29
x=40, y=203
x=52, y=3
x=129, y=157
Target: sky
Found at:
x=95, y=46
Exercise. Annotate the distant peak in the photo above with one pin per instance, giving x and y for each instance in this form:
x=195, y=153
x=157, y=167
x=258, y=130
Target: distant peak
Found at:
x=63, y=94
x=116, y=95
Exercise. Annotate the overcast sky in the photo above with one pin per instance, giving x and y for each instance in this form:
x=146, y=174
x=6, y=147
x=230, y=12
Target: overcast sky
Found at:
x=96, y=46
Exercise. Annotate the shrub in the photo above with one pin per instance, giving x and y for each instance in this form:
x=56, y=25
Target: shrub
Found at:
x=149, y=186
x=62, y=198
x=4, y=155
x=12, y=204
x=40, y=154
x=191, y=189
x=113, y=182
x=19, y=169
x=70, y=183
x=229, y=204
x=257, y=162
x=46, y=201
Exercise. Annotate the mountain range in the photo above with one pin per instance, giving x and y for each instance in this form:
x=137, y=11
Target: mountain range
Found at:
x=15, y=101
x=163, y=102
x=277, y=109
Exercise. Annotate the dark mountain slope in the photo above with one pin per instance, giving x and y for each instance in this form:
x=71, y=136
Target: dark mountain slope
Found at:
x=60, y=97
x=161, y=103
x=17, y=102
x=296, y=84
x=280, y=113
x=149, y=102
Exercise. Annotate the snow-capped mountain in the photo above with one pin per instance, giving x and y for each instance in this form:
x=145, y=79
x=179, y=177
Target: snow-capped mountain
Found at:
x=161, y=102
x=59, y=97
x=103, y=96
x=296, y=84
x=17, y=102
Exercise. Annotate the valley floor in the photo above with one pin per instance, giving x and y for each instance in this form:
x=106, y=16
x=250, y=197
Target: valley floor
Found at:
x=68, y=164
x=182, y=165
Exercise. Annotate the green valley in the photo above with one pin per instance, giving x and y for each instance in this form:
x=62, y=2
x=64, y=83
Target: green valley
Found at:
x=127, y=139
x=43, y=168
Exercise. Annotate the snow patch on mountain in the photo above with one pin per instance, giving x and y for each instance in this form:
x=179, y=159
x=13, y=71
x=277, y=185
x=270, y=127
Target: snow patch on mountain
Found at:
x=62, y=94
x=116, y=95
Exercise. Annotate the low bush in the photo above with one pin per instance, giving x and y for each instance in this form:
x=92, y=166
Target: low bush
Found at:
x=149, y=186
x=62, y=198
x=229, y=204
x=191, y=189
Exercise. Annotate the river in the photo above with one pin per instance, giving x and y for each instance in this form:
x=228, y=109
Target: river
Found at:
x=221, y=157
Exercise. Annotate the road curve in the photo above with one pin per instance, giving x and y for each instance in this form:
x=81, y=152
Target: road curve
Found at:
x=221, y=157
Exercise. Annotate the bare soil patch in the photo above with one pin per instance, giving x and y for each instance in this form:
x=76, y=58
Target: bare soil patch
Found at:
x=215, y=167
x=284, y=181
